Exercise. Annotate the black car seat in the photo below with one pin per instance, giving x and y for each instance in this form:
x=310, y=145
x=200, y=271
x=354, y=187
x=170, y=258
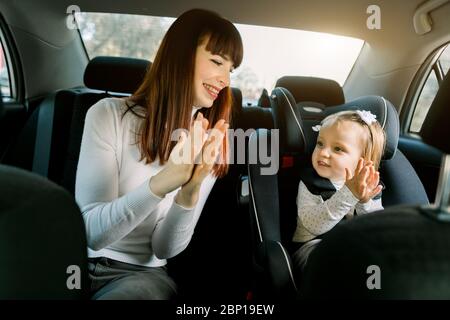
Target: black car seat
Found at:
x=274, y=216
x=401, y=253
x=264, y=99
x=50, y=141
x=33, y=213
x=43, y=253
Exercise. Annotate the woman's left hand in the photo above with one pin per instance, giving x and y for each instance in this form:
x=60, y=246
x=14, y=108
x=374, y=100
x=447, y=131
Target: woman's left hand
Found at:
x=189, y=193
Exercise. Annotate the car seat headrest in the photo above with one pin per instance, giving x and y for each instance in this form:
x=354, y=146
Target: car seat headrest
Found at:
x=237, y=99
x=311, y=90
x=115, y=74
x=264, y=99
x=296, y=134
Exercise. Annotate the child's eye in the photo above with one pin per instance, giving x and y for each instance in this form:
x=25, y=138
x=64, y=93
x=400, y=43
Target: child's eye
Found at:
x=319, y=144
x=216, y=62
x=338, y=149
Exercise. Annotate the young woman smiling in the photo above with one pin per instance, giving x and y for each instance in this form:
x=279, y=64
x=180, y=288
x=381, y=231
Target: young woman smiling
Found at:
x=140, y=204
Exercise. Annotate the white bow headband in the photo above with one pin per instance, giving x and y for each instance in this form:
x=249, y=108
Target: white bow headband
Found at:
x=366, y=116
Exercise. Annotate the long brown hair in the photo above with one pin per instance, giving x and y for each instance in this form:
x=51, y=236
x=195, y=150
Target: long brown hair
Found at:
x=167, y=90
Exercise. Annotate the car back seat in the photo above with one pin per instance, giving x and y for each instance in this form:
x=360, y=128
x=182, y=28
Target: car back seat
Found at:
x=42, y=240
x=51, y=138
x=219, y=245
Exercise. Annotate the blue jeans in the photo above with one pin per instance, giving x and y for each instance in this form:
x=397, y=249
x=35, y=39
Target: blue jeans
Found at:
x=115, y=280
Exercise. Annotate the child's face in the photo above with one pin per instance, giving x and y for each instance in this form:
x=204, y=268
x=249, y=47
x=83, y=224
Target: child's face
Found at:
x=338, y=146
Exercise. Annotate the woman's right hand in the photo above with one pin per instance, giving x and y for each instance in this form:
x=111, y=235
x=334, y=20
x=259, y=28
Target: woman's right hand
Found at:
x=179, y=168
x=190, y=192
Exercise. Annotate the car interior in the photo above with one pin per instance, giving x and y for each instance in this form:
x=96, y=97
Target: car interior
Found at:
x=241, y=247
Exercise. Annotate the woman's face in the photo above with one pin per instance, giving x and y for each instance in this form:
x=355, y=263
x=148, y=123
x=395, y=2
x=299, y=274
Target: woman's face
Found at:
x=211, y=75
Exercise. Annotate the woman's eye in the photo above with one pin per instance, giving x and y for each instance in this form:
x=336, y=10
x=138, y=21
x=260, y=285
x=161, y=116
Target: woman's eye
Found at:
x=216, y=62
x=319, y=143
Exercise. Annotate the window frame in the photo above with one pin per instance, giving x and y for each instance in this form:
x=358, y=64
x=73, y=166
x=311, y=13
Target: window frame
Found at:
x=431, y=64
x=434, y=70
x=13, y=64
x=6, y=58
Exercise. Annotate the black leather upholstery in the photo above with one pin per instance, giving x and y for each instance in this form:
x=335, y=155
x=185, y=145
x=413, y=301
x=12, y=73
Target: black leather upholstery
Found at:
x=402, y=185
x=41, y=235
x=264, y=99
x=273, y=276
x=410, y=249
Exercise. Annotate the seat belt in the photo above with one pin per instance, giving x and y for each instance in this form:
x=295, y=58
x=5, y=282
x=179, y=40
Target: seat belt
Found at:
x=43, y=142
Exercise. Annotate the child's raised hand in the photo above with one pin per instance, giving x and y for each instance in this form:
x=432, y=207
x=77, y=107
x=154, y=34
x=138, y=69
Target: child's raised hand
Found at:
x=373, y=187
x=364, y=183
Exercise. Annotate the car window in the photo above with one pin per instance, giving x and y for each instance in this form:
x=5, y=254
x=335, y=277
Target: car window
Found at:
x=5, y=84
x=445, y=60
x=269, y=53
x=426, y=97
x=429, y=90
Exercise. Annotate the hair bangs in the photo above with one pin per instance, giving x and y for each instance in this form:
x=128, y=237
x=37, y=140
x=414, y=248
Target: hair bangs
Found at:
x=225, y=40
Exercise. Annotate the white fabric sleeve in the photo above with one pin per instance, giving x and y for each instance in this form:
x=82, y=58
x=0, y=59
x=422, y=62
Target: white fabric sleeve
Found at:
x=107, y=217
x=369, y=206
x=174, y=231
x=319, y=218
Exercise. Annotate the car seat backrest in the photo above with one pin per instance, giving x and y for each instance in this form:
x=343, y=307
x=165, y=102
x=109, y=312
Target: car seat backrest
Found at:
x=42, y=239
x=104, y=77
x=297, y=141
x=50, y=141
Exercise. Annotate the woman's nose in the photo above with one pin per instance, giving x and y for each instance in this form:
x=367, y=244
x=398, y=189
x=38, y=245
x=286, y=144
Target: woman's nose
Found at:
x=224, y=79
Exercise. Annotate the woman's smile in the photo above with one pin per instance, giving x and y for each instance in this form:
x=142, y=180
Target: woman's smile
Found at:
x=212, y=90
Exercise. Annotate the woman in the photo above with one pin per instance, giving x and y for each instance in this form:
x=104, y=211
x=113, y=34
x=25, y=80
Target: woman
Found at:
x=141, y=203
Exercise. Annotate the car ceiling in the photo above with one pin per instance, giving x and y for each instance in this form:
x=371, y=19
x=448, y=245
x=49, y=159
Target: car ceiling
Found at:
x=396, y=46
x=344, y=17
